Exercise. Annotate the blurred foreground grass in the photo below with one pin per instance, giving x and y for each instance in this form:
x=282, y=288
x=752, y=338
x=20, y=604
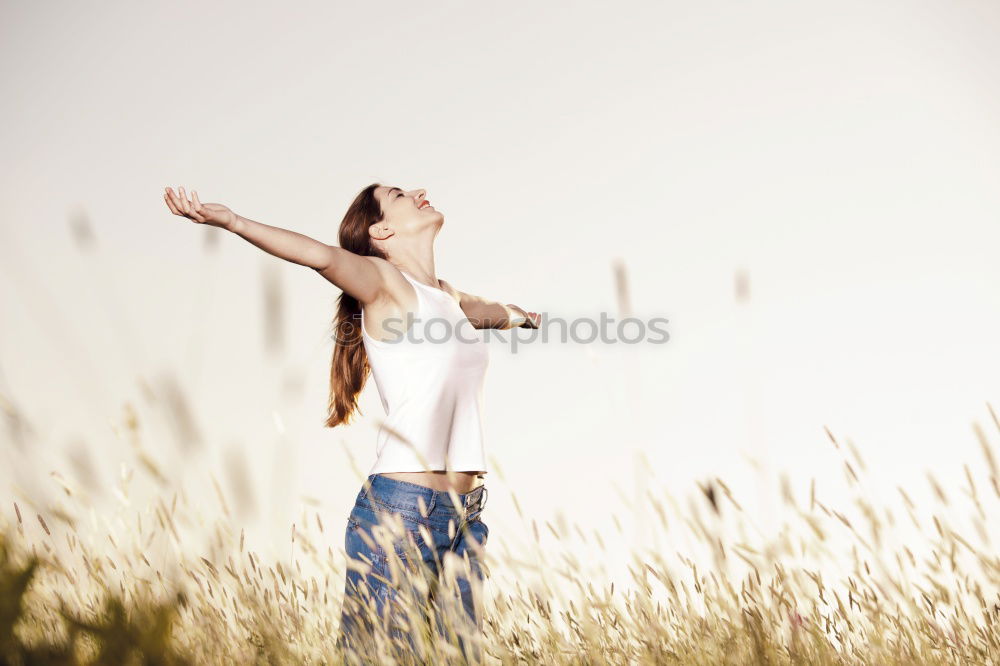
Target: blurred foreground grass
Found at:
x=67, y=597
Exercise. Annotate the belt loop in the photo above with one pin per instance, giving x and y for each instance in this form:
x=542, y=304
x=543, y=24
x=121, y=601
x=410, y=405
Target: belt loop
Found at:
x=366, y=488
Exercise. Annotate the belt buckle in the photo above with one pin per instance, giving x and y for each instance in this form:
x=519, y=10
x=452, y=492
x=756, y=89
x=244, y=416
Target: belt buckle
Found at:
x=480, y=497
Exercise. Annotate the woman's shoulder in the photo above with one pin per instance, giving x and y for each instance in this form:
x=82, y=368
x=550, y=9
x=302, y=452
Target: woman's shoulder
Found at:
x=447, y=288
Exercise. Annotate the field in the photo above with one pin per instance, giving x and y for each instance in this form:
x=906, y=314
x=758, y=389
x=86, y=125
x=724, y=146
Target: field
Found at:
x=80, y=588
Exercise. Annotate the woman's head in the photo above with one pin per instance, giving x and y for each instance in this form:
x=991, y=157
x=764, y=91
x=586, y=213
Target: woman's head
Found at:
x=383, y=221
x=406, y=215
x=384, y=218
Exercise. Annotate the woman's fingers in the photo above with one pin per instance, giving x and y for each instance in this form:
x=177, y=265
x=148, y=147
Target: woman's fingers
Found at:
x=170, y=204
x=175, y=200
x=188, y=207
x=180, y=205
x=185, y=204
x=196, y=207
x=179, y=202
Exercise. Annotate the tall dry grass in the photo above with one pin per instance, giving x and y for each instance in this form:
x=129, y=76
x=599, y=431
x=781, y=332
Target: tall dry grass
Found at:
x=826, y=589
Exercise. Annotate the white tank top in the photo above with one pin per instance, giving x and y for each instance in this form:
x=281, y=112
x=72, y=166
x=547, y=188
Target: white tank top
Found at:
x=431, y=386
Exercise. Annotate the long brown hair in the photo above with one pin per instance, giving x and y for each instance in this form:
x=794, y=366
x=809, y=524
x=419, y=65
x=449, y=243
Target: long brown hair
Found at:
x=349, y=368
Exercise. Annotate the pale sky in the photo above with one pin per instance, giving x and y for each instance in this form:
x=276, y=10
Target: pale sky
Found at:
x=846, y=155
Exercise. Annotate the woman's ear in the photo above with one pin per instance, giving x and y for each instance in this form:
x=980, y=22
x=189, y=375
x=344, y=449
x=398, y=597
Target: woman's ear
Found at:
x=379, y=231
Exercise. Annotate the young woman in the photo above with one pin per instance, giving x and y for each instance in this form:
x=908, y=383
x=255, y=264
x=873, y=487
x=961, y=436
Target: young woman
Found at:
x=414, y=333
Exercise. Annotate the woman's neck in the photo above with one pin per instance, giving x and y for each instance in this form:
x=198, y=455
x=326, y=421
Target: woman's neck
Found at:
x=422, y=270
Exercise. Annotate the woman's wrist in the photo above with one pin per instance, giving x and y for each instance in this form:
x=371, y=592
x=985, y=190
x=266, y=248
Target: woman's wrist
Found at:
x=237, y=224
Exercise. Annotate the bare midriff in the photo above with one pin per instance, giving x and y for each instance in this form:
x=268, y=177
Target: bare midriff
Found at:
x=460, y=482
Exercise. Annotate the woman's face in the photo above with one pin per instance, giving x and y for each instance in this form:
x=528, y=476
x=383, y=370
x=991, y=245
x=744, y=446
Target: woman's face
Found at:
x=405, y=213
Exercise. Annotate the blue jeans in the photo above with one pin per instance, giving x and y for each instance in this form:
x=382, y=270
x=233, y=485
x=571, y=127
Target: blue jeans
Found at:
x=386, y=589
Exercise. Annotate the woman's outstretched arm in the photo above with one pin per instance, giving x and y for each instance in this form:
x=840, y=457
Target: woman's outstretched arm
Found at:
x=484, y=313
x=356, y=275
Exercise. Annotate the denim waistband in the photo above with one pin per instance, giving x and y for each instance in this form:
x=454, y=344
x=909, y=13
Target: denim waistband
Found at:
x=406, y=496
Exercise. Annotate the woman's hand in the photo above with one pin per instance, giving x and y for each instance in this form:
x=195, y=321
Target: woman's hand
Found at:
x=213, y=214
x=525, y=319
